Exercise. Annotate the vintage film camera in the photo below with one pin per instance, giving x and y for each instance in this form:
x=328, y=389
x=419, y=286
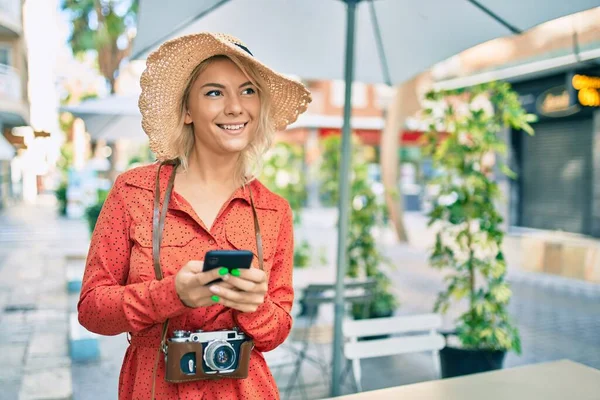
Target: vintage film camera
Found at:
x=220, y=351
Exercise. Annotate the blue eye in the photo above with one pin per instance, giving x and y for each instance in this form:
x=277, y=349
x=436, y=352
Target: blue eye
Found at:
x=214, y=93
x=249, y=91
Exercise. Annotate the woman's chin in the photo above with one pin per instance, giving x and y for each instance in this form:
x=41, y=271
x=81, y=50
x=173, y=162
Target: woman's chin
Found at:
x=235, y=146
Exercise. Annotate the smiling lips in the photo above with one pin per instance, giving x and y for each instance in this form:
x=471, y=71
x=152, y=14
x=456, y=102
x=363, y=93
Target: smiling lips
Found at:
x=232, y=128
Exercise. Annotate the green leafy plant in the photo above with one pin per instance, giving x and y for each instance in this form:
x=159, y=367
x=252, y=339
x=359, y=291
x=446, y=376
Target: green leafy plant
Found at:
x=463, y=141
x=63, y=164
x=283, y=174
x=93, y=212
x=364, y=258
x=61, y=197
x=302, y=255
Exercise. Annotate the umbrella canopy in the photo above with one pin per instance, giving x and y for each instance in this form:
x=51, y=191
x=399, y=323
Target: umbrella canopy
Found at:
x=307, y=37
x=111, y=118
x=317, y=39
x=110, y=105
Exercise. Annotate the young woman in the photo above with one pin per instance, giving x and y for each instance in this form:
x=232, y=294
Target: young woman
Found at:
x=210, y=110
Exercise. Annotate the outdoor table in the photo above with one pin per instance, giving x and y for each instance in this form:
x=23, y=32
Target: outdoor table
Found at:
x=557, y=380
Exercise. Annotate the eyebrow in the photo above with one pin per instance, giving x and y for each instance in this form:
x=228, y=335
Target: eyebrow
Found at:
x=218, y=85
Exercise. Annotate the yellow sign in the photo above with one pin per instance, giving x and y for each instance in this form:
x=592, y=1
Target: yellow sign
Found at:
x=589, y=90
x=555, y=102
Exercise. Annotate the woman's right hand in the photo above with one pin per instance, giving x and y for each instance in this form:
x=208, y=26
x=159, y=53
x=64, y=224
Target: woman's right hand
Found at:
x=190, y=284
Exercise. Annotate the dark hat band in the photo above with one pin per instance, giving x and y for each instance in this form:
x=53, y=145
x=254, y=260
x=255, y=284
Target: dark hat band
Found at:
x=243, y=48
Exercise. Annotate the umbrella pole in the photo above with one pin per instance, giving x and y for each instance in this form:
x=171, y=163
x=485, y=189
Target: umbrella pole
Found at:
x=344, y=203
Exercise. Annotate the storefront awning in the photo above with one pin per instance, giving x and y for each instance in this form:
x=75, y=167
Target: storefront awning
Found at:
x=7, y=152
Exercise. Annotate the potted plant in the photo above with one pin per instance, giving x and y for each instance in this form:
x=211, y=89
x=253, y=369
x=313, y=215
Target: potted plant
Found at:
x=367, y=211
x=463, y=140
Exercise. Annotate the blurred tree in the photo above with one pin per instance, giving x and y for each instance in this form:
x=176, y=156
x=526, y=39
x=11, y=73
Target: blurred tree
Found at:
x=105, y=27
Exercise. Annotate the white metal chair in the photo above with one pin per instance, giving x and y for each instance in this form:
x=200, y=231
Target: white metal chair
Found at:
x=410, y=334
x=307, y=335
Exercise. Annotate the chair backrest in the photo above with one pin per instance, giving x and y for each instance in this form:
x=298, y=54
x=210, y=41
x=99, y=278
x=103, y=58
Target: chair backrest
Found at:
x=355, y=291
x=419, y=333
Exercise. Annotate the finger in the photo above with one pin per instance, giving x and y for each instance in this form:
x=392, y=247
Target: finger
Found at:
x=236, y=296
x=250, y=274
x=195, y=266
x=241, y=284
x=209, y=276
x=243, y=307
x=226, y=285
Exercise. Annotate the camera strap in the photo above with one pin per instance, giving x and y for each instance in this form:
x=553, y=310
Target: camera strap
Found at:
x=158, y=225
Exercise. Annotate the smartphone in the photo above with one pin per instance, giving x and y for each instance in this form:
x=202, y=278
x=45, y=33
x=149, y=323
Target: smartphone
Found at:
x=230, y=259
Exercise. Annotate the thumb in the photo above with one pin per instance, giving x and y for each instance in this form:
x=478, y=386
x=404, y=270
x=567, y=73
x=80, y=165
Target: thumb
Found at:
x=195, y=266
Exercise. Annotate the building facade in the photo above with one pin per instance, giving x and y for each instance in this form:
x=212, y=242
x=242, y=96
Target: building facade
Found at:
x=558, y=185
x=14, y=108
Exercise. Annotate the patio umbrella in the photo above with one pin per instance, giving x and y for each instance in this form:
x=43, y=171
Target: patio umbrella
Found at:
x=111, y=118
x=394, y=40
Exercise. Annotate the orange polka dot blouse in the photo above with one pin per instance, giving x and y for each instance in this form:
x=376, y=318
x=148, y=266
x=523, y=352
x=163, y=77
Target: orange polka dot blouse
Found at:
x=121, y=294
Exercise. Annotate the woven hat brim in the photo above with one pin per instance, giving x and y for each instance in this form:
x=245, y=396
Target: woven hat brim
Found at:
x=168, y=69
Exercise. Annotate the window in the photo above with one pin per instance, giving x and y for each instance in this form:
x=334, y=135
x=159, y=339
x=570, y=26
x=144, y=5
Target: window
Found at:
x=5, y=55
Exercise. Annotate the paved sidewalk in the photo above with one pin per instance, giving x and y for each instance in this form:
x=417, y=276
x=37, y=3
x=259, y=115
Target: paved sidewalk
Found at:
x=33, y=301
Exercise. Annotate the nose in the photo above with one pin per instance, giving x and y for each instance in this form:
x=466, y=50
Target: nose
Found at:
x=233, y=106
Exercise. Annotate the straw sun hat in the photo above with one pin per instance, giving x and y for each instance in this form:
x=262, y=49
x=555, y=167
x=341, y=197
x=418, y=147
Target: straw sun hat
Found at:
x=168, y=69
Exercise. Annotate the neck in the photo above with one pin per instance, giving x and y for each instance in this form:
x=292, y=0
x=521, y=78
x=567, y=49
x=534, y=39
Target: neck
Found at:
x=210, y=169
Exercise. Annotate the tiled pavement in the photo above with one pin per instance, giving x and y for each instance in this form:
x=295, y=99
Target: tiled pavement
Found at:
x=558, y=318
x=33, y=301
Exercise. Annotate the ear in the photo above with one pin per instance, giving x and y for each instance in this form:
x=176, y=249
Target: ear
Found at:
x=188, y=118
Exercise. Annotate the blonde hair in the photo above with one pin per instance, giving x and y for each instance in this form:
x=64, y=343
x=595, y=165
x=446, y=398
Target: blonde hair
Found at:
x=251, y=158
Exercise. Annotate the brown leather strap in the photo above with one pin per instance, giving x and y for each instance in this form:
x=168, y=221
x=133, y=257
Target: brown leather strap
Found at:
x=158, y=225
x=259, y=246
x=158, y=218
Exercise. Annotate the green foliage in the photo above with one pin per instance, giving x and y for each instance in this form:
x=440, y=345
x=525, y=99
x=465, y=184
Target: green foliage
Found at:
x=142, y=157
x=302, y=254
x=102, y=26
x=65, y=161
x=464, y=141
x=93, y=212
x=283, y=174
x=364, y=258
x=61, y=197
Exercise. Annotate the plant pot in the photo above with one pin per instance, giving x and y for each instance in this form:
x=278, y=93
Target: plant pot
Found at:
x=459, y=362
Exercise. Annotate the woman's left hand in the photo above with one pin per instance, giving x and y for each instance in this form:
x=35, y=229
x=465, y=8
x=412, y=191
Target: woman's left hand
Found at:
x=248, y=292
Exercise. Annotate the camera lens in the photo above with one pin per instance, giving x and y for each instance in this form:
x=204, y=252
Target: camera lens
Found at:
x=219, y=355
x=213, y=261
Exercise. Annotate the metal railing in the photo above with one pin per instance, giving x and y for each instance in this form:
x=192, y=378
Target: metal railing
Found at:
x=10, y=82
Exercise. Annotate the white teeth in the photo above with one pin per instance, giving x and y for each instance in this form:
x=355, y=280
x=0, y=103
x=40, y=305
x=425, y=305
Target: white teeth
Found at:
x=232, y=127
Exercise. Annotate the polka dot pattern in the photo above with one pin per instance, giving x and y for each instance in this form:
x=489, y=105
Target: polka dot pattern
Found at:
x=120, y=292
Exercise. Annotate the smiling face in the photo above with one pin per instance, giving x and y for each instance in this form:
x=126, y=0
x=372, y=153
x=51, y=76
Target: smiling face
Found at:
x=223, y=107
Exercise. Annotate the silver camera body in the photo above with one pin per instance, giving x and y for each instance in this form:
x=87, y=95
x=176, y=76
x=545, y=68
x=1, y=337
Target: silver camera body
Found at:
x=220, y=350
